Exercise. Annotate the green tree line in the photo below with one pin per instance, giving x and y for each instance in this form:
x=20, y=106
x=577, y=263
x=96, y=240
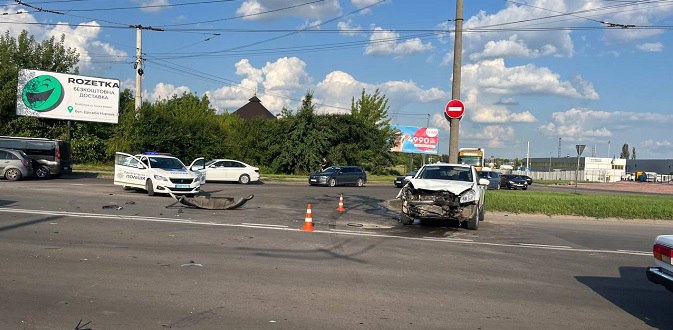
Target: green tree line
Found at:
x=188, y=127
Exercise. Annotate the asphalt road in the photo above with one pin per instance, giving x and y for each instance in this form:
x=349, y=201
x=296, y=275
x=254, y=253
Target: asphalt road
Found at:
x=83, y=249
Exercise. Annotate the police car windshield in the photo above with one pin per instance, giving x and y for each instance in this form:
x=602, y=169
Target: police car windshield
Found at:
x=166, y=163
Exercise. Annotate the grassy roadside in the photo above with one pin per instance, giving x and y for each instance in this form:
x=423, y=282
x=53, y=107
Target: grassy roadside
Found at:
x=621, y=206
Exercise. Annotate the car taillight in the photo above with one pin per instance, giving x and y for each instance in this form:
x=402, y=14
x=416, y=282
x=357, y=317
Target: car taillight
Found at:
x=58, y=152
x=24, y=162
x=663, y=253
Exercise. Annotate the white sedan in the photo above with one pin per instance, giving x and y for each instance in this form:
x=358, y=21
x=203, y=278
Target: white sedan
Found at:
x=444, y=191
x=663, y=253
x=231, y=170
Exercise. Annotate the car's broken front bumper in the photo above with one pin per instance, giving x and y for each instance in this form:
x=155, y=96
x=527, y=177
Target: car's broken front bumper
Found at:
x=439, y=208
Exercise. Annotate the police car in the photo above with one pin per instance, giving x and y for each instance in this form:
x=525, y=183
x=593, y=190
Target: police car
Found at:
x=159, y=173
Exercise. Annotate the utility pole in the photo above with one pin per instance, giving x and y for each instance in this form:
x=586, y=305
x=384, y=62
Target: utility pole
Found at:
x=139, y=68
x=455, y=87
x=559, y=148
x=138, y=65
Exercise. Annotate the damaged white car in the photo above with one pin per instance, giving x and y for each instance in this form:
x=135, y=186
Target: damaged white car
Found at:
x=444, y=191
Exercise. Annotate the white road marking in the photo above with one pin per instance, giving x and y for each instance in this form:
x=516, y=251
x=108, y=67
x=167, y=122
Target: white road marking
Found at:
x=317, y=231
x=262, y=225
x=451, y=239
x=548, y=246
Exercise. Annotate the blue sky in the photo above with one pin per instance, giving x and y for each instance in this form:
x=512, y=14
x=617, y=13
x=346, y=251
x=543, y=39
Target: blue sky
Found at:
x=533, y=71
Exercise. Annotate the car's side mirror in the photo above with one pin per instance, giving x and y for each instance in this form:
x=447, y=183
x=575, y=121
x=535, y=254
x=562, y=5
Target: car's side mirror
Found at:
x=483, y=182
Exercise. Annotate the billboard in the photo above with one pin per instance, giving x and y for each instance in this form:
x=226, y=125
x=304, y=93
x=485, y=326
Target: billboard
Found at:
x=65, y=96
x=417, y=140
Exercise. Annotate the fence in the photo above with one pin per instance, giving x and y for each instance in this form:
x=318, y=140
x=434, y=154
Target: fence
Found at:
x=584, y=176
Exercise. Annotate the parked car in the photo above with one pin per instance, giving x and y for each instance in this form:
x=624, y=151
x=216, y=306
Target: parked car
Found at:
x=493, y=178
x=401, y=180
x=52, y=157
x=231, y=170
x=663, y=256
x=513, y=181
x=159, y=173
x=528, y=179
x=444, y=191
x=339, y=175
x=15, y=164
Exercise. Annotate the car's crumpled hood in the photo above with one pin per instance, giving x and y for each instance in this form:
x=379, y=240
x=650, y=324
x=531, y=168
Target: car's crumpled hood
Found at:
x=454, y=187
x=182, y=174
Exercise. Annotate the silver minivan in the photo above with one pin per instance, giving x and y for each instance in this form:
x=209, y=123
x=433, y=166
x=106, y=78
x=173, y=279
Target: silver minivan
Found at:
x=15, y=164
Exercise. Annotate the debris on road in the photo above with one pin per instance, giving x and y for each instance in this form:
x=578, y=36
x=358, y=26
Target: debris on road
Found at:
x=210, y=202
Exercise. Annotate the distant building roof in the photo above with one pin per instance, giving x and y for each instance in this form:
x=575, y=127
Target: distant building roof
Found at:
x=254, y=109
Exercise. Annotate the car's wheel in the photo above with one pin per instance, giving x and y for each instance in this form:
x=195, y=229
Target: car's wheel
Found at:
x=405, y=219
x=360, y=182
x=481, y=213
x=12, y=174
x=149, y=187
x=524, y=188
x=244, y=179
x=331, y=182
x=42, y=172
x=473, y=223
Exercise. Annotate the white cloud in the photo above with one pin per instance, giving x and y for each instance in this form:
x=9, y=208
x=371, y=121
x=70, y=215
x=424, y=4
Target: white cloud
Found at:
x=152, y=5
x=347, y=28
x=338, y=88
x=280, y=81
x=578, y=123
x=165, y=91
x=364, y=3
x=314, y=11
x=494, y=77
x=488, y=88
x=651, y=47
x=527, y=44
x=512, y=47
x=85, y=40
x=385, y=42
x=656, y=144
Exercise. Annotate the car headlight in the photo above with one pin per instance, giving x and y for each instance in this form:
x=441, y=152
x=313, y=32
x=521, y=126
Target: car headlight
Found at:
x=510, y=182
x=159, y=177
x=468, y=196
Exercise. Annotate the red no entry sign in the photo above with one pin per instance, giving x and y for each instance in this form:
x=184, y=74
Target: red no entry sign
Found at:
x=454, y=109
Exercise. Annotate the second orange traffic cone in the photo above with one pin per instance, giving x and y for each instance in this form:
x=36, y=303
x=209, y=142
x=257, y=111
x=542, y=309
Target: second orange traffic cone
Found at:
x=308, y=221
x=341, y=208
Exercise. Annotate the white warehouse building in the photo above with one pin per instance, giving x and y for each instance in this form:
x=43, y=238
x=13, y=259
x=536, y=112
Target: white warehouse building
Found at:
x=592, y=169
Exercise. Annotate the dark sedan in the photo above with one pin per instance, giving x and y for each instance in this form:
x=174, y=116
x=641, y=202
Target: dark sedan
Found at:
x=512, y=181
x=401, y=180
x=528, y=179
x=339, y=175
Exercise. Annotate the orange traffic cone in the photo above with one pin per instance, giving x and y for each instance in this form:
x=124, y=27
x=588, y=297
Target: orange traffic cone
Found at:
x=308, y=222
x=341, y=204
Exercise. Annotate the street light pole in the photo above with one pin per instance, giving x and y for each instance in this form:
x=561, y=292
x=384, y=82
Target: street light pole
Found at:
x=455, y=87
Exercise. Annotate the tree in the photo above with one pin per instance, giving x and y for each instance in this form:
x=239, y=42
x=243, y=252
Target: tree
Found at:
x=633, y=153
x=24, y=52
x=625, y=151
x=377, y=137
x=303, y=141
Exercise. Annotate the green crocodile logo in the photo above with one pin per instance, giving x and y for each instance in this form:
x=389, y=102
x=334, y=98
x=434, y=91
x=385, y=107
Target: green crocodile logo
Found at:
x=42, y=93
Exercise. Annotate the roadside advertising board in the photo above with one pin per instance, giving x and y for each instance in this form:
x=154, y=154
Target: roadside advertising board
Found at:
x=65, y=96
x=417, y=140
